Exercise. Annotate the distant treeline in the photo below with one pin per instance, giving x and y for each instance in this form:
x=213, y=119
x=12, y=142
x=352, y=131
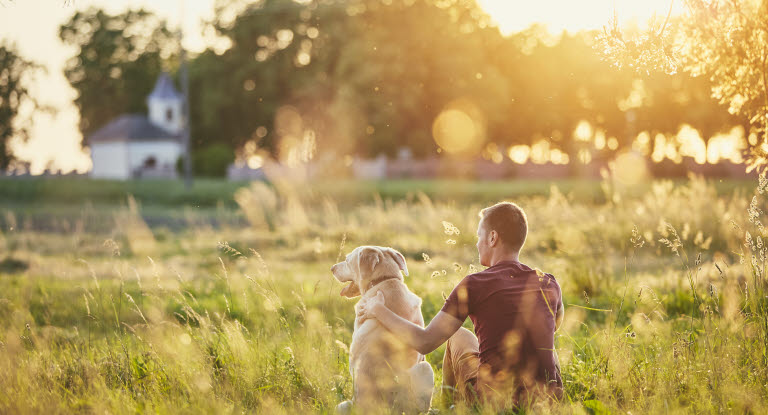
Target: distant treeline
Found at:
x=368, y=77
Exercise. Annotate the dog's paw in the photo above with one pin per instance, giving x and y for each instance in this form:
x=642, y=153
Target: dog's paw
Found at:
x=344, y=408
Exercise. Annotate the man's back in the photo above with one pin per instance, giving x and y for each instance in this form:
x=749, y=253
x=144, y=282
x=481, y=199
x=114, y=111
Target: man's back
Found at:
x=513, y=310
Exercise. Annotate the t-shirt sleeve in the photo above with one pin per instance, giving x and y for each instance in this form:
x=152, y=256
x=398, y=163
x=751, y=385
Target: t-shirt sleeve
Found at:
x=458, y=303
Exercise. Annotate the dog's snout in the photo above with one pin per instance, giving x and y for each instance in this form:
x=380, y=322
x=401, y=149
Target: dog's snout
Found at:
x=333, y=268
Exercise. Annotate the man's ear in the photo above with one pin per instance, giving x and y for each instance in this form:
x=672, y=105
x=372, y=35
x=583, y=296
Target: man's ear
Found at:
x=351, y=290
x=399, y=259
x=494, y=238
x=369, y=258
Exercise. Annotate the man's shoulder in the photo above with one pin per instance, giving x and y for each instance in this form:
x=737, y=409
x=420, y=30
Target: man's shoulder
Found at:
x=516, y=270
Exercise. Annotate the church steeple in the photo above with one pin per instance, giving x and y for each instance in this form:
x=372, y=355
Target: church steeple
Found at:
x=165, y=105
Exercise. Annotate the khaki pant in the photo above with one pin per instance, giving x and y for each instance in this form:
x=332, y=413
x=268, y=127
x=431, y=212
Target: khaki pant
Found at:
x=461, y=363
x=461, y=370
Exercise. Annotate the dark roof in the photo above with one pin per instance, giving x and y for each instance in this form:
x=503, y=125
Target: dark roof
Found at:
x=131, y=127
x=164, y=88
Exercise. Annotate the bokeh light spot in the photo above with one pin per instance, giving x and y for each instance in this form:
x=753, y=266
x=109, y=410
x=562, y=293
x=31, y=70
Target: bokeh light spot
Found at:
x=459, y=129
x=630, y=168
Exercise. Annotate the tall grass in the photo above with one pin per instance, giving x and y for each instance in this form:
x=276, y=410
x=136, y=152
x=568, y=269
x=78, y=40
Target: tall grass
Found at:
x=665, y=293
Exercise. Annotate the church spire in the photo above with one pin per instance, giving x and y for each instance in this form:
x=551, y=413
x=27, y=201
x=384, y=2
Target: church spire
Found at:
x=165, y=105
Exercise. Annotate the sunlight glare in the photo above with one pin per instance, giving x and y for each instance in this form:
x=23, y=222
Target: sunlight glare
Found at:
x=572, y=16
x=727, y=146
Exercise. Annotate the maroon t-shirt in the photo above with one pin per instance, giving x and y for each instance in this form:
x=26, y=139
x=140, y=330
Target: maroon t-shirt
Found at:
x=513, y=309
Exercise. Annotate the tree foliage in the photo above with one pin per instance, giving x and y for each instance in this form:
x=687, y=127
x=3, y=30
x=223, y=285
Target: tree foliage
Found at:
x=118, y=60
x=379, y=74
x=13, y=96
x=364, y=78
x=723, y=40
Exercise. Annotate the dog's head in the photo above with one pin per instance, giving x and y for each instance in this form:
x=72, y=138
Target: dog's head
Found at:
x=364, y=264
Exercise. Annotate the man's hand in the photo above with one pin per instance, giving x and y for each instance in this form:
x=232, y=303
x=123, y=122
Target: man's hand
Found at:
x=368, y=307
x=423, y=339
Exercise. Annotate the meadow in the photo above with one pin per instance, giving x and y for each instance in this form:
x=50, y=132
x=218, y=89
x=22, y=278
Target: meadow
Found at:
x=146, y=298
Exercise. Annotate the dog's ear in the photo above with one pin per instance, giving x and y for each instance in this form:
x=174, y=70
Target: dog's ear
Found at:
x=369, y=258
x=399, y=259
x=351, y=290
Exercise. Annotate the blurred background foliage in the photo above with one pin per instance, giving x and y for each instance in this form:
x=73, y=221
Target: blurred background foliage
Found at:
x=725, y=42
x=371, y=77
x=15, y=72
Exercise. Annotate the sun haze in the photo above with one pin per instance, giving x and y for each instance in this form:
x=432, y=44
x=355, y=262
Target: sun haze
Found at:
x=573, y=16
x=55, y=139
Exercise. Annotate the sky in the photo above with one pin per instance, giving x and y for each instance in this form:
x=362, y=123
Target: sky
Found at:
x=32, y=26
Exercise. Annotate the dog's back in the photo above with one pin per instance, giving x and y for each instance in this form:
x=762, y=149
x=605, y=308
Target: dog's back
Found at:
x=386, y=372
x=380, y=362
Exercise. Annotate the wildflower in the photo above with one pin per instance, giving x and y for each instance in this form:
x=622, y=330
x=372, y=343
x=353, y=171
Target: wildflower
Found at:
x=749, y=243
x=762, y=183
x=754, y=211
x=674, y=243
x=224, y=246
x=338, y=257
x=449, y=229
x=636, y=239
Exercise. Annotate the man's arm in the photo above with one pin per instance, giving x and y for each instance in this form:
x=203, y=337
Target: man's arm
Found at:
x=423, y=339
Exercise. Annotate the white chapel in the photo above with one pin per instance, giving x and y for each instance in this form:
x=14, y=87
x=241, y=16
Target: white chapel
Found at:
x=136, y=146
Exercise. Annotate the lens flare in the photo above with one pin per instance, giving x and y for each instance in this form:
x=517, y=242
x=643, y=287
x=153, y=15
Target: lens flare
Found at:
x=460, y=128
x=630, y=168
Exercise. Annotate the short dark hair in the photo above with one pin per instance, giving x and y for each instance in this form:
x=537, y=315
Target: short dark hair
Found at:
x=509, y=221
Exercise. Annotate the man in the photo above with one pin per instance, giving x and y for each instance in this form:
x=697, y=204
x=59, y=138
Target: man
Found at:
x=515, y=311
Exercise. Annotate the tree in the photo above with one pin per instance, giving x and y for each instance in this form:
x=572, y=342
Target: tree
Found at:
x=369, y=77
x=14, y=94
x=363, y=78
x=726, y=41
x=117, y=63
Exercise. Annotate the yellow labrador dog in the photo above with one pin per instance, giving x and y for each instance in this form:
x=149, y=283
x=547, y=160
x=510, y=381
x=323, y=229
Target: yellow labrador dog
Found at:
x=385, y=371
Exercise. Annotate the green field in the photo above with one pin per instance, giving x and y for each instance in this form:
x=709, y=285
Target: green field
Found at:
x=145, y=297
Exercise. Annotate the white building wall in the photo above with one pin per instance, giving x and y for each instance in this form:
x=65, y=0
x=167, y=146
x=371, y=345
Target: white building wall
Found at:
x=165, y=152
x=159, y=111
x=110, y=160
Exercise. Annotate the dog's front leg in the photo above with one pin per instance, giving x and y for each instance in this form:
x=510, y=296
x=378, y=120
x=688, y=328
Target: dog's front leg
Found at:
x=422, y=379
x=344, y=408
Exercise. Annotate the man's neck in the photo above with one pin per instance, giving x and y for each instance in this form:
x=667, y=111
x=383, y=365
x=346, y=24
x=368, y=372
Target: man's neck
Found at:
x=504, y=256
